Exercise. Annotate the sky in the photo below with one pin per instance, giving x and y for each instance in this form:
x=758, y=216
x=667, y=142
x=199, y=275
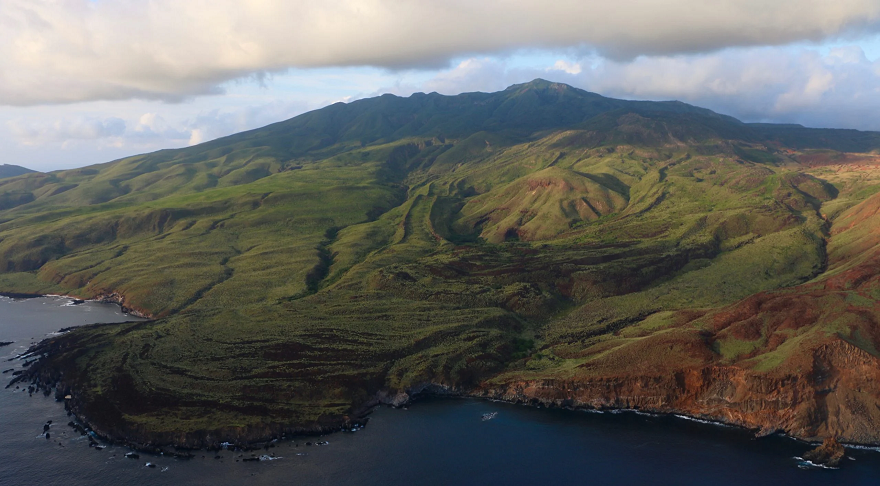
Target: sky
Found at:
x=89, y=81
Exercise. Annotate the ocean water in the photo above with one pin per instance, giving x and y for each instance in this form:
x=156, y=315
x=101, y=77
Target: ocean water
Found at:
x=434, y=441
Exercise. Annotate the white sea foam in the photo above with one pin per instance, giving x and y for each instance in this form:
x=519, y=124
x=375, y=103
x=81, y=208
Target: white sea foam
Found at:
x=862, y=447
x=702, y=421
x=630, y=410
x=805, y=464
x=646, y=414
x=622, y=410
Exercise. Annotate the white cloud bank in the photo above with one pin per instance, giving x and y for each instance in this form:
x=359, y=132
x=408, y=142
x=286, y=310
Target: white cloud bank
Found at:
x=60, y=51
x=71, y=139
x=839, y=89
x=31, y=132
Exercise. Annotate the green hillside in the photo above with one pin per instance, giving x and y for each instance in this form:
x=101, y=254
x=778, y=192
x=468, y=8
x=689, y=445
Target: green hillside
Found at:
x=298, y=271
x=8, y=170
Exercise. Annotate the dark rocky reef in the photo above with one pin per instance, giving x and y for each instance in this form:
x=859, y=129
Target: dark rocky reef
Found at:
x=829, y=454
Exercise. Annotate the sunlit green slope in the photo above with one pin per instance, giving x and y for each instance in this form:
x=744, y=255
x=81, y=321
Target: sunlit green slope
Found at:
x=297, y=270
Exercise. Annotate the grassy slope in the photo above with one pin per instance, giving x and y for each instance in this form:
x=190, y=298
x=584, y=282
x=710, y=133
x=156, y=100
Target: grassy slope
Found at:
x=828, y=293
x=299, y=269
x=8, y=170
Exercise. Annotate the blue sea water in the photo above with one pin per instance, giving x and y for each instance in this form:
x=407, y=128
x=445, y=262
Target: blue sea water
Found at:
x=434, y=441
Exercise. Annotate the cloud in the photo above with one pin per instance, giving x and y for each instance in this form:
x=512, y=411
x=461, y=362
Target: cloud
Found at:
x=836, y=89
x=154, y=126
x=569, y=67
x=474, y=74
x=65, y=129
x=78, y=50
x=149, y=131
x=212, y=124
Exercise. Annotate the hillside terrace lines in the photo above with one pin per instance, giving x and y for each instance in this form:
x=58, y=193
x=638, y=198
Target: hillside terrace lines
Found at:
x=226, y=274
x=60, y=277
x=838, y=161
x=408, y=294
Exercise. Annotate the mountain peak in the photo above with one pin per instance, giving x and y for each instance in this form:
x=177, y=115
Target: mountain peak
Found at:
x=541, y=84
x=535, y=83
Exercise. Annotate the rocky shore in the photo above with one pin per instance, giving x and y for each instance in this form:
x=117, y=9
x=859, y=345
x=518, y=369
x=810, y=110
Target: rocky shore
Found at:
x=104, y=298
x=829, y=454
x=778, y=414
x=125, y=306
x=177, y=445
x=836, y=398
x=831, y=393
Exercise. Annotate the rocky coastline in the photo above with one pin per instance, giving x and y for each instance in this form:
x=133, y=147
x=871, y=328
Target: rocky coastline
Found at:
x=104, y=298
x=248, y=439
x=177, y=445
x=119, y=299
x=538, y=395
x=831, y=400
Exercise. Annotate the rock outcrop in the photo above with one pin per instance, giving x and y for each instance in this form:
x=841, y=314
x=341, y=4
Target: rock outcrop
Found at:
x=829, y=454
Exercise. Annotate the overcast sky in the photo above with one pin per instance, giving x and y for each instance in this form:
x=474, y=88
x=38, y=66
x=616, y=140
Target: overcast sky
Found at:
x=87, y=81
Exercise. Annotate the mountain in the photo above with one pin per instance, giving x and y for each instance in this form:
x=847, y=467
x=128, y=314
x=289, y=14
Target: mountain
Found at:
x=541, y=244
x=8, y=170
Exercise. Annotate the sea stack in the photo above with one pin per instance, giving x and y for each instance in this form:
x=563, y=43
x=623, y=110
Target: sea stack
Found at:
x=830, y=453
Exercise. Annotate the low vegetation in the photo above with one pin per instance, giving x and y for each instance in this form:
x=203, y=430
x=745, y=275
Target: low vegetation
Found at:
x=296, y=271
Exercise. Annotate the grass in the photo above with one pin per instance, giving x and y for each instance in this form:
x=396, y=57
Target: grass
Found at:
x=297, y=270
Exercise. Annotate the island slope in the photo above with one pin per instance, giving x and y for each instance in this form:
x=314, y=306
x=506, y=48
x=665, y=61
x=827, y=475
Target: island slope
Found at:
x=539, y=244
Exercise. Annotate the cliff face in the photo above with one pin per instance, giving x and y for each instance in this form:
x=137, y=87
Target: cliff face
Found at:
x=836, y=397
x=802, y=360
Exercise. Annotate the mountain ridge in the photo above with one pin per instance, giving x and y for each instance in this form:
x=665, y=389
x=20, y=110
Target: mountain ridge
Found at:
x=9, y=170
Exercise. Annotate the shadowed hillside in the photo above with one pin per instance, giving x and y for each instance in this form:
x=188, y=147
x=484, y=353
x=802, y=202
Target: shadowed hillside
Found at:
x=541, y=243
x=7, y=170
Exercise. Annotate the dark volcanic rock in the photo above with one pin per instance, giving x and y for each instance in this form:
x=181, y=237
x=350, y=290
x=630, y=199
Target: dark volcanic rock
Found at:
x=5, y=343
x=830, y=453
